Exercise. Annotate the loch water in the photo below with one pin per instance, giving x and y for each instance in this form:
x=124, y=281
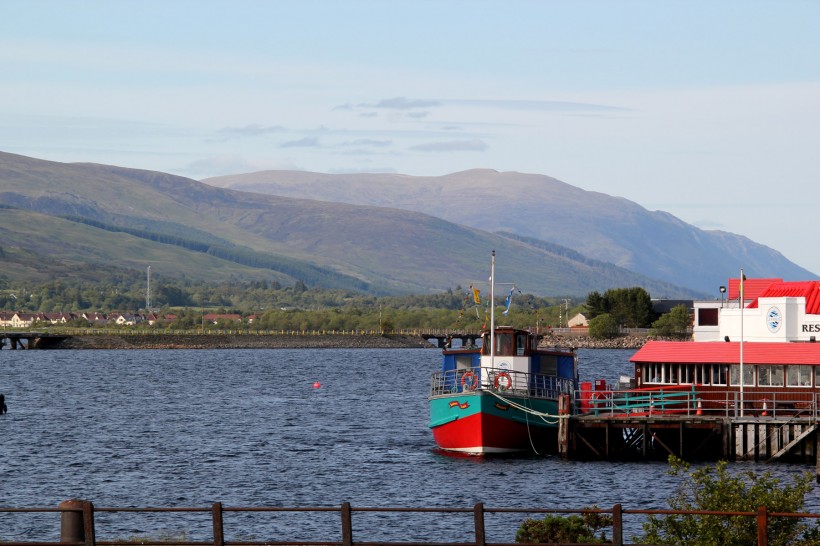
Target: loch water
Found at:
x=187, y=428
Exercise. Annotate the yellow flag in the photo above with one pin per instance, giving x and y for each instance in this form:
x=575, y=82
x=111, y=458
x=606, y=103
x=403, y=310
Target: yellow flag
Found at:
x=477, y=296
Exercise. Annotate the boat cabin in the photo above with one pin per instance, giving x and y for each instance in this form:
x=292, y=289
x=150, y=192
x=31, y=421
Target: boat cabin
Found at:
x=516, y=363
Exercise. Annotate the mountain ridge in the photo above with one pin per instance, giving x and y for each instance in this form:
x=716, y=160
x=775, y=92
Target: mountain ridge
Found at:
x=387, y=250
x=611, y=229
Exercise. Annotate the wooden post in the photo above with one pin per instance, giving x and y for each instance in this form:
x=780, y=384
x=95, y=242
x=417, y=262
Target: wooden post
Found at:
x=219, y=529
x=563, y=426
x=617, y=525
x=478, y=518
x=817, y=454
x=77, y=522
x=762, y=527
x=347, y=525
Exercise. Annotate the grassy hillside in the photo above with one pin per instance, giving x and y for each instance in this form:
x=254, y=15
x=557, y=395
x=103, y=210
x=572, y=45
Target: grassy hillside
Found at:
x=131, y=218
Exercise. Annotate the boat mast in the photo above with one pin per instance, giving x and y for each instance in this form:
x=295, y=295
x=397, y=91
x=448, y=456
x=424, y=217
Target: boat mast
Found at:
x=492, y=311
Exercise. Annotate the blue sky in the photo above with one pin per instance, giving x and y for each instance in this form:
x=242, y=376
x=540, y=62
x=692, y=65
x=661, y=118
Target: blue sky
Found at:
x=707, y=110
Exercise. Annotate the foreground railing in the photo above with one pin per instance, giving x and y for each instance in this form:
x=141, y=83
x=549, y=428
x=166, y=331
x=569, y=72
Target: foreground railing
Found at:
x=688, y=400
x=78, y=525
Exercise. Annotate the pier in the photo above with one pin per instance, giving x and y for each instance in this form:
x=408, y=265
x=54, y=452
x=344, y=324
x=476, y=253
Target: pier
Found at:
x=641, y=425
x=30, y=340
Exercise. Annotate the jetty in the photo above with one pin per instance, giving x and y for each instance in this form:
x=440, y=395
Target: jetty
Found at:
x=30, y=340
x=648, y=425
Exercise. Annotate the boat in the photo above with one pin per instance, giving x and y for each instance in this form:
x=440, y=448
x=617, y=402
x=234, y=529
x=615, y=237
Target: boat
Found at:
x=502, y=393
x=765, y=333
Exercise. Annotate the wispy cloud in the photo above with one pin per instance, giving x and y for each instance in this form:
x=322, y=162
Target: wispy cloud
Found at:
x=401, y=103
x=307, y=142
x=452, y=146
x=252, y=130
x=366, y=142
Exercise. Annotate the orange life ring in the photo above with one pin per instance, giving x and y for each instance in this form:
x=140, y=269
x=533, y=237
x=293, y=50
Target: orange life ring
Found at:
x=505, y=375
x=473, y=381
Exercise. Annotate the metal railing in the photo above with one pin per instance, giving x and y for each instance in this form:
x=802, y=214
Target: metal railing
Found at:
x=689, y=401
x=529, y=385
x=78, y=525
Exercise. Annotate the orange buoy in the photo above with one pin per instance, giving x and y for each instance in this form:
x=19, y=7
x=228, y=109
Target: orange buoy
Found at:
x=316, y=385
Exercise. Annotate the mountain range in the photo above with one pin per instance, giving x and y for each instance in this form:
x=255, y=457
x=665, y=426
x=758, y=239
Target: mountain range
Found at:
x=382, y=234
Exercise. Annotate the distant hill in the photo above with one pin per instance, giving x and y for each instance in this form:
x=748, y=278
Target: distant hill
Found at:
x=610, y=229
x=62, y=220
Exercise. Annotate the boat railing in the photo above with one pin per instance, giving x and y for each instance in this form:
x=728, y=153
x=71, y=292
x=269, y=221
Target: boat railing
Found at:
x=530, y=385
x=690, y=401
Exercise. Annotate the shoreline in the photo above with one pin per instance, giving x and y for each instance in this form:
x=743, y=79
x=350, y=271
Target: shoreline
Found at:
x=325, y=341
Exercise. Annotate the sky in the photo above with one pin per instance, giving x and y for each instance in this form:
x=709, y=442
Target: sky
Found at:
x=708, y=110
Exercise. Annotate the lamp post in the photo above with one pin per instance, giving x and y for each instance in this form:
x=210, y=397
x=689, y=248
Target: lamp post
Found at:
x=722, y=292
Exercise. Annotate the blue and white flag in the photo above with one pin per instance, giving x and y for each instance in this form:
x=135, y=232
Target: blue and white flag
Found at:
x=508, y=301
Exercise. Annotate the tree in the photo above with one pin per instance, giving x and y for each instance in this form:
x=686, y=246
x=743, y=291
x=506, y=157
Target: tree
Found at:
x=596, y=305
x=675, y=323
x=716, y=489
x=603, y=327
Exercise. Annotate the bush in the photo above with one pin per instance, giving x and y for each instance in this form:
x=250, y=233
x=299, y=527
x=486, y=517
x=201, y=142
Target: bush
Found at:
x=716, y=489
x=603, y=327
x=564, y=529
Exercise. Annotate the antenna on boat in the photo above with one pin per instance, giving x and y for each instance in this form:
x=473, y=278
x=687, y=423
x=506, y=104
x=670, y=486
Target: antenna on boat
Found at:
x=492, y=311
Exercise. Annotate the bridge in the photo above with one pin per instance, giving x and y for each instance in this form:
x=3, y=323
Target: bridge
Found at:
x=30, y=340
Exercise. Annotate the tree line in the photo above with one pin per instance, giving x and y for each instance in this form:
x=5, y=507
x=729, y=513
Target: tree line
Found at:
x=301, y=307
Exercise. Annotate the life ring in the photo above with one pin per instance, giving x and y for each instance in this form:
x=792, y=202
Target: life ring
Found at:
x=497, y=381
x=473, y=381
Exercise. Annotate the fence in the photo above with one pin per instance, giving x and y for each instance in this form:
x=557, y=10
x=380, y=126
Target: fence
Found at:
x=78, y=527
x=687, y=400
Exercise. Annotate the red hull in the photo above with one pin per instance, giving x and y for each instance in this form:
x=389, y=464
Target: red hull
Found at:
x=483, y=433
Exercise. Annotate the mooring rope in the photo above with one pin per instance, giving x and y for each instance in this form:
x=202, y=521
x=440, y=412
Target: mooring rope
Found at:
x=543, y=416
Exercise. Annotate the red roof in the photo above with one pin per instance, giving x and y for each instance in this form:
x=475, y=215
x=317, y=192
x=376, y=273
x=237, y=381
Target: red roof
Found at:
x=720, y=352
x=805, y=289
x=752, y=288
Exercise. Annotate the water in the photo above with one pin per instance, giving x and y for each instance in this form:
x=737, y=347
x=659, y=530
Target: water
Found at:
x=186, y=428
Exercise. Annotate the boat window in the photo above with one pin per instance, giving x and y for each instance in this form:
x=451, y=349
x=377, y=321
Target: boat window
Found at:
x=520, y=344
x=748, y=375
x=770, y=376
x=464, y=362
x=798, y=376
x=503, y=344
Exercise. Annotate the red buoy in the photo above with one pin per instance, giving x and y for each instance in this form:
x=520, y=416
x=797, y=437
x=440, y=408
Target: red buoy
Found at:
x=316, y=385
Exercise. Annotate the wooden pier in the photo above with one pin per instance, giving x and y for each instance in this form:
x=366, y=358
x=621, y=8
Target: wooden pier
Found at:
x=652, y=425
x=692, y=437
x=30, y=340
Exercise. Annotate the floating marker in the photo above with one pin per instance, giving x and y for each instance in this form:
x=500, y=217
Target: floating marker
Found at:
x=316, y=385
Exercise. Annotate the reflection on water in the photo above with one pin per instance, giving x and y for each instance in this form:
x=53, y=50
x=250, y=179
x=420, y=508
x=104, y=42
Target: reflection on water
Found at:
x=247, y=428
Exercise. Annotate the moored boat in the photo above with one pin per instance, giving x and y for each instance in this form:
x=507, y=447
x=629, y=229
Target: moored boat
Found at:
x=502, y=395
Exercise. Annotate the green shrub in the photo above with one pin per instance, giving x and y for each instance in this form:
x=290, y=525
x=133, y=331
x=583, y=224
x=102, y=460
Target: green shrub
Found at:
x=564, y=529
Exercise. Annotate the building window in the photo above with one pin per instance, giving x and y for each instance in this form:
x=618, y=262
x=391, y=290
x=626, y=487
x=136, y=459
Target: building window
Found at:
x=770, y=376
x=707, y=317
x=748, y=375
x=718, y=374
x=798, y=376
x=687, y=374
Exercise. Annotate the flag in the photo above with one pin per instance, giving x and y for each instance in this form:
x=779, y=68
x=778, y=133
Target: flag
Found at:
x=476, y=296
x=508, y=301
x=742, y=280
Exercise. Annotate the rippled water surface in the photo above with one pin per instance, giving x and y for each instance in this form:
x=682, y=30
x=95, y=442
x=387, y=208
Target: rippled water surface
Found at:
x=180, y=428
